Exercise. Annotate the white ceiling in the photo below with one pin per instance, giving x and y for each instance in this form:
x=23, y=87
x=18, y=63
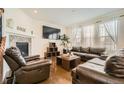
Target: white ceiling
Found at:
x=66, y=16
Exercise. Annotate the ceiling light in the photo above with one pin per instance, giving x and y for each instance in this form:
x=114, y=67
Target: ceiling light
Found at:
x=35, y=11
x=73, y=10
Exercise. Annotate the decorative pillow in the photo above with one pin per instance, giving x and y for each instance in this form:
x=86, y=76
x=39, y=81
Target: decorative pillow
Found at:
x=84, y=50
x=76, y=49
x=98, y=51
x=15, y=54
x=115, y=65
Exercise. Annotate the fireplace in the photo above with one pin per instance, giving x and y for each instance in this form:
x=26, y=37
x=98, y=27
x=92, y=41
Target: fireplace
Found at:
x=24, y=43
x=23, y=47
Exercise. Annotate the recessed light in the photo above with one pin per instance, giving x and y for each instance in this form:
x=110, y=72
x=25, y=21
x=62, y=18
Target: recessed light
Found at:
x=35, y=11
x=73, y=10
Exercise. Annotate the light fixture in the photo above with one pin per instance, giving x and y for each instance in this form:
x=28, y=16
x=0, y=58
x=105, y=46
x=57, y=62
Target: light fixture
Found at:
x=73, y=10
x=35, y=11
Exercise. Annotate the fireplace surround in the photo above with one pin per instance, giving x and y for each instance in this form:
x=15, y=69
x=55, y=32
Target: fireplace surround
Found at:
x=22, y=42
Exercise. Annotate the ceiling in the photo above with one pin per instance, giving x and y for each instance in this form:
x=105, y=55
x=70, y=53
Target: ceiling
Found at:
x=66, y=16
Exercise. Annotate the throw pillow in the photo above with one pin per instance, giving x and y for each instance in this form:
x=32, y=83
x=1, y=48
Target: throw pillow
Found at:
x=98, y=51
x=76, y=49
x=84, y=50
x=115, y=65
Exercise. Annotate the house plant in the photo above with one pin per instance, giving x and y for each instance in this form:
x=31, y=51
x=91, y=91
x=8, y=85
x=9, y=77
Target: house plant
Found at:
x=65, y=43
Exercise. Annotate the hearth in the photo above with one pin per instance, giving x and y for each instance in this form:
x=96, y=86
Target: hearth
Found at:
x=23, y=47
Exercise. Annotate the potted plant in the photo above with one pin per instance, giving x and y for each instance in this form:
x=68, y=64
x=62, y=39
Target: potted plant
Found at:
x=65, y=42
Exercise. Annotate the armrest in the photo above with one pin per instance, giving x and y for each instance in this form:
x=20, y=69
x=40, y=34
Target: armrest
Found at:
x=30, y=58
x=103, y=57
x=97, y=77
x=35, y=66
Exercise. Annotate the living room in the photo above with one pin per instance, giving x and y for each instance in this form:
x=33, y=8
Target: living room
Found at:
x=91, y=30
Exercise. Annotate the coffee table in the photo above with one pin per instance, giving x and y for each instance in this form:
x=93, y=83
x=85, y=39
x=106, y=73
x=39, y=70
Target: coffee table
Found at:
x=68, y=62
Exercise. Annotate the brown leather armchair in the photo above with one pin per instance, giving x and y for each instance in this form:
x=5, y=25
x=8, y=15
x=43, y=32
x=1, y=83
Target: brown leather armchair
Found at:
x=27, y=70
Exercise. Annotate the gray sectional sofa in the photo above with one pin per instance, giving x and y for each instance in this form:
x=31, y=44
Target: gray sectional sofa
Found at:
x=88, y=53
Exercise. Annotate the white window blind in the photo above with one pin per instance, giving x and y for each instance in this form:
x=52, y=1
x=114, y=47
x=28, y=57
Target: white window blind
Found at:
x=88, y=35
x=76, y=36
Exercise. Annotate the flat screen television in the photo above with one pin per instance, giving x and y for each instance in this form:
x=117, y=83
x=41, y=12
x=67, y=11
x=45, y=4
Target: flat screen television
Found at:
x=51, y=33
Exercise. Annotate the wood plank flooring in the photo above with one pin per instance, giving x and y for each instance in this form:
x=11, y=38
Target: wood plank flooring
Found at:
x=58, y=75
x=0, y=78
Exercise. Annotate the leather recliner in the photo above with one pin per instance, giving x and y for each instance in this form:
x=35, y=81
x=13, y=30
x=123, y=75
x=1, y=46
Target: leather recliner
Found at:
x=27, y=70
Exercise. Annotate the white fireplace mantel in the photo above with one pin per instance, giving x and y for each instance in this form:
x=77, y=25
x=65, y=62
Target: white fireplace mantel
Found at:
x=15, y=37
x=18, y=33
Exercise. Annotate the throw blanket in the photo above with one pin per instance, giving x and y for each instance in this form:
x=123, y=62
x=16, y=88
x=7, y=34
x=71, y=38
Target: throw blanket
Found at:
x=95, y=64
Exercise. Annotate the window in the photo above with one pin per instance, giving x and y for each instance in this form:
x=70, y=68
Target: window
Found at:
x=96, y=35
x=102, y=33
x=76, y=37
x=88, y=35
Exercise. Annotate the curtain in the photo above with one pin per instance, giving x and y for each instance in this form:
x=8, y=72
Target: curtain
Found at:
x=75, y=36
x=111, y=37
x=88, y=36
x=97, y=41
x=111, y=29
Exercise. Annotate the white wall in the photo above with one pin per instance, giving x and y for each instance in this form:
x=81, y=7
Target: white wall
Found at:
x=21, y=19
x=43, y=43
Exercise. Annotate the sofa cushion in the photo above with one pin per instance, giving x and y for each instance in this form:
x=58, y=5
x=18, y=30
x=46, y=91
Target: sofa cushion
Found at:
x=15, y=54
x=115, y=66
x=84, y=50
x=76, y=49
x=98, y=51
x=86, y=56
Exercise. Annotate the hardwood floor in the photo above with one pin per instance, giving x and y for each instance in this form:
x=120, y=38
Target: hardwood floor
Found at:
x=0, y=78
x=58, y=75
